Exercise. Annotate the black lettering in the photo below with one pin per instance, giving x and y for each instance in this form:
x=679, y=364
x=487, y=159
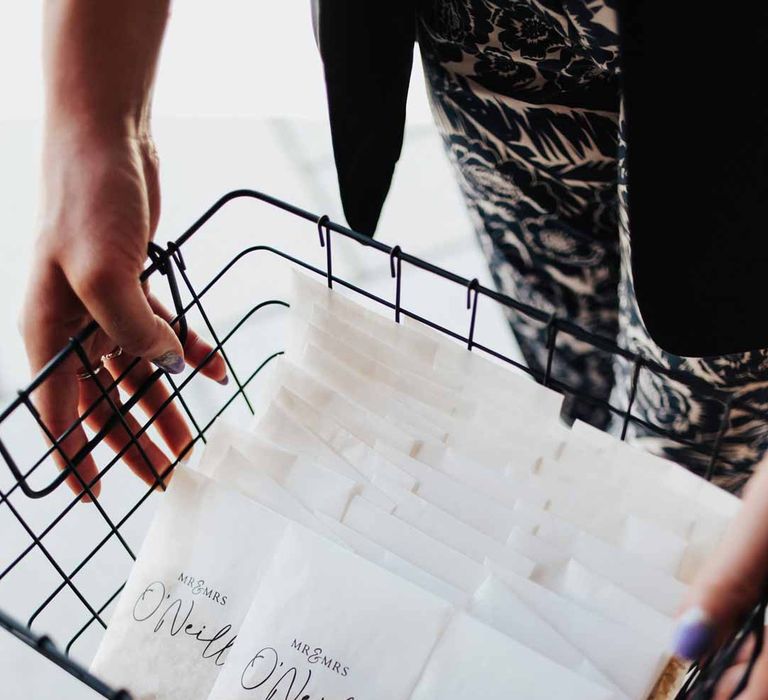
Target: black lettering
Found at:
x=177, y=605
x=263, y=666
x=292, y=672
x=149, y=602
x=210, y=651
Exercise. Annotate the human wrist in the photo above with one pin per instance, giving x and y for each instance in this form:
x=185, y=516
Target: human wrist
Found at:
x=104, y=126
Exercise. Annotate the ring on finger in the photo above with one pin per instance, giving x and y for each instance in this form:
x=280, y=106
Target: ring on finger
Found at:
x=86, y=373
x=112, y=354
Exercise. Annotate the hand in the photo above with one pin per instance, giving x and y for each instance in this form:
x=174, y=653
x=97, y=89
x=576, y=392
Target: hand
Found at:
x=100, y=210
x=727, y=589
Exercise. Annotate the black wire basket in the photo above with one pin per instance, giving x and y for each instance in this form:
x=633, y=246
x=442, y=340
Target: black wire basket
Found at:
x=36, y=475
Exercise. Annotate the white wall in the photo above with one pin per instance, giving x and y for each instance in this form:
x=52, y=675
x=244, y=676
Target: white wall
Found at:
x=229, y=57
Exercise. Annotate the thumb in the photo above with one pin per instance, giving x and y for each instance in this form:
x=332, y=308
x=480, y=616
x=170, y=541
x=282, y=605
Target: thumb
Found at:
x=733, y=580
x=115, y=299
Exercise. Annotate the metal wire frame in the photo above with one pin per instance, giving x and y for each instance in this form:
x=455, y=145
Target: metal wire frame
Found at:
x=167, y=262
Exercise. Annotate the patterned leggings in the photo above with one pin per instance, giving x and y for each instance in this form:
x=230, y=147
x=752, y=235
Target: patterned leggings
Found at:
x=525, y=94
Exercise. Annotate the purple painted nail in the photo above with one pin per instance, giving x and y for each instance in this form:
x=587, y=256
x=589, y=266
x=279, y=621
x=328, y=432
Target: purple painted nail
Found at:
x=224, y=381
x=693, y=635
x=170, y=361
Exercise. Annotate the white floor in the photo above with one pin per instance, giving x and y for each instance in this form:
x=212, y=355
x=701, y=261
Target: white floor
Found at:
x=203, y=158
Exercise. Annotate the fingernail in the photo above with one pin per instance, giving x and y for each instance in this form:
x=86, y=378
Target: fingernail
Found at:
x=170, y=361
x=224, y=381
x=693, y=635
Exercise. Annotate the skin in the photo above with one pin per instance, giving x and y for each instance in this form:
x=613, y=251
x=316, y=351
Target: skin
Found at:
x=100, y=208
x=732, y=583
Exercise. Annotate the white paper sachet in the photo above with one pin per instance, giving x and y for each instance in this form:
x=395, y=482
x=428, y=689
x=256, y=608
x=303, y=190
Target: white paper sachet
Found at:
x=308, y=293
x=473, y=660
x=421, y=421
x=496, y=605
x=583, y=500
x=661, y=592
x=665, y=473
x=594, y=592
x=448, y=360
x=236, y=472
x=616, y=650
x=406, y=413
x=527, y=628
x=497, y=422
x=276, y=425
x=188, y=591
x=406, y=382
x=223, y=435
x=363, y=337
x=492, y=377
x=326, y=623
x=489, y=481
x=498, y=414
x=373, y=552
x=448, y=529
x=468, y=505
x=414, y=546
x=315, y=486
x=364, y=459
x=652, y=544
x=641, y=490
x=424, y=346
x=365, y=424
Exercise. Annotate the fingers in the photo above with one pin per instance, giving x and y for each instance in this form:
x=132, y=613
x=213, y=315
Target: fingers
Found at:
x=169, y=421
x=47, y=320
x=757, y=687
x=196, y=350
x=144, y=458
x=57, y=403
x=729, y=681
x=745, y=650
x=733, y=580
x=114, y=297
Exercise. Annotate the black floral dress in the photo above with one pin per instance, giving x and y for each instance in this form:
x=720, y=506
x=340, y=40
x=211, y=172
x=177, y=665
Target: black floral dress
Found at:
x=526, y=96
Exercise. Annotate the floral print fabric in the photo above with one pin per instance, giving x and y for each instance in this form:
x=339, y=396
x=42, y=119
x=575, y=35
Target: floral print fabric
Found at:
x=526, y=96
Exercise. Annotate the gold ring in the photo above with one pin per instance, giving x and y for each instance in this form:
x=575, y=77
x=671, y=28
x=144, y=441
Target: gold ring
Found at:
x=112, y=355
x=83, y=374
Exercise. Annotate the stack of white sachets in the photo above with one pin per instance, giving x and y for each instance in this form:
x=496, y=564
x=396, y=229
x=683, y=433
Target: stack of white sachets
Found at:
x=408, y=520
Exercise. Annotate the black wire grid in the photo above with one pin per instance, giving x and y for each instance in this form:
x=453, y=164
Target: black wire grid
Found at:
x=169, y=262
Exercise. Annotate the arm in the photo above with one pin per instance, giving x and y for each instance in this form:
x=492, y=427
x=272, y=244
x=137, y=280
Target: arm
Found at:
x=100, y=208
x=99, y=61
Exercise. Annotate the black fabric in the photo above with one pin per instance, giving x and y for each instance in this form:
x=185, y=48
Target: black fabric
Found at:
x=697, y=151
x=697, y=148
x=367, y=51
